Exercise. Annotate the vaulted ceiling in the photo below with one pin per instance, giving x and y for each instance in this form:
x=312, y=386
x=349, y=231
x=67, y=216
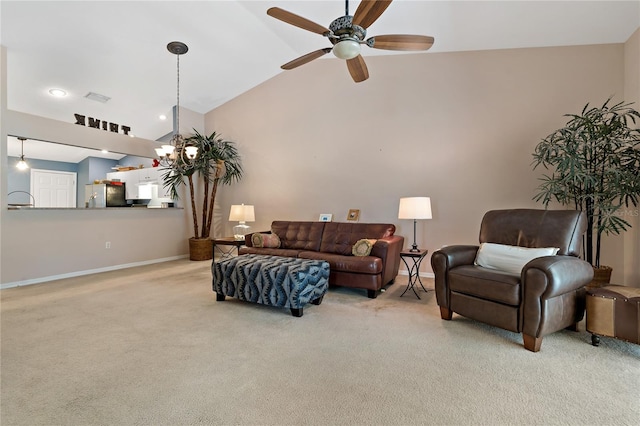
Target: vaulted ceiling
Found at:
x=118, y=48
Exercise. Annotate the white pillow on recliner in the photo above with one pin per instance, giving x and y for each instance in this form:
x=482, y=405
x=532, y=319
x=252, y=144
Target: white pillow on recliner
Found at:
x=509, y=259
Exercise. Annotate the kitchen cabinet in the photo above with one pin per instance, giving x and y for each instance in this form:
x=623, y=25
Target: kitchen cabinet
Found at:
x=150, y=175
x=142, y=184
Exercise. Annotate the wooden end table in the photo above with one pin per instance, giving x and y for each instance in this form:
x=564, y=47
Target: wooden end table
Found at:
x=226, y=241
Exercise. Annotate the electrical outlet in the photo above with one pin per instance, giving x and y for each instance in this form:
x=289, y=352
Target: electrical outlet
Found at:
x=107, y=245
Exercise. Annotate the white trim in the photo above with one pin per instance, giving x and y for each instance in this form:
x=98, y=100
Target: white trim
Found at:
x=89, y=272
x=130, y=265
x=422, y=274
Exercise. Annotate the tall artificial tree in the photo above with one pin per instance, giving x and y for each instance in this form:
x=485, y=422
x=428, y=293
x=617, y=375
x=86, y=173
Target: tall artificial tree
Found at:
x=595, y=167
x=217, y=162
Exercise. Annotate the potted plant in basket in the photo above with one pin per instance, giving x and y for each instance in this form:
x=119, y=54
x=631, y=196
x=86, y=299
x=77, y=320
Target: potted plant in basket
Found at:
x=217, y=162
x=595, y=167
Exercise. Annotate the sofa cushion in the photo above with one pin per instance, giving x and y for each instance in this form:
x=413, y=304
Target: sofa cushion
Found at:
x=339, y=237
x=259, y=239
x=486, y=284
x=299, y=235
x=363, y=247
x=508, y=258
x=342, y=263
x=269, y=251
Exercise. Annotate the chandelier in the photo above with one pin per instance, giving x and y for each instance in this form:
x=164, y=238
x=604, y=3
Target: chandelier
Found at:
x=178, y=154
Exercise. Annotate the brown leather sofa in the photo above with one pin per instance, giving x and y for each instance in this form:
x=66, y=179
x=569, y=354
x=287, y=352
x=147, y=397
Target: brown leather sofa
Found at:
x=333, y=242
x=547, y=296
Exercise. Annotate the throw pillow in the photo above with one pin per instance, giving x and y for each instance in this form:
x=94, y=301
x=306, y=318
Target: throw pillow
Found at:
x=509, y=259
x=363, y=247
x=265, y=240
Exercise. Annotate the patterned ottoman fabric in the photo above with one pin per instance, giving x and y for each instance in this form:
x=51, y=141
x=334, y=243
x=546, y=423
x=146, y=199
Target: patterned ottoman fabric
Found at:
x=272, y=280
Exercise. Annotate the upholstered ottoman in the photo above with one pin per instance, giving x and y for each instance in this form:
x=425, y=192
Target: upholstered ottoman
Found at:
x=286, y=282
x=613, y=311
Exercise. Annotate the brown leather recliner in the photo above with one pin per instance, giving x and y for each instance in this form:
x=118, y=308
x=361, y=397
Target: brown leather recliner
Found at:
x=549, y=294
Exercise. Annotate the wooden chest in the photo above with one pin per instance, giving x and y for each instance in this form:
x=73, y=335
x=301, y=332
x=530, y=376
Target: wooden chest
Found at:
x=614, y=311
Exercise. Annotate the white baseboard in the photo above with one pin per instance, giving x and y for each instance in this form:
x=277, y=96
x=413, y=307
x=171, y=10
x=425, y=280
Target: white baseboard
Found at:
x=89, y=272
x=422, y=274
x=129, y=265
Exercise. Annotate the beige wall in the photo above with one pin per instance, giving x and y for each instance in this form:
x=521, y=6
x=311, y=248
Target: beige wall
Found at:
x=632, y=94
x=458, y=127
x=39, y=245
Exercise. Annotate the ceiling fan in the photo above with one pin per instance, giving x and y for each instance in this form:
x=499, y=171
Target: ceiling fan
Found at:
x=347, y=33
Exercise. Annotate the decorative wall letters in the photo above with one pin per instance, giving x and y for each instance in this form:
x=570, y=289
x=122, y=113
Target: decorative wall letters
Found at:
x=95, y=123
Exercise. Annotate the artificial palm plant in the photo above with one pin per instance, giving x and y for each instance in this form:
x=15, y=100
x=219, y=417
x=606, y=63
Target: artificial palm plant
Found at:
x=217, y=162
x=595, y=167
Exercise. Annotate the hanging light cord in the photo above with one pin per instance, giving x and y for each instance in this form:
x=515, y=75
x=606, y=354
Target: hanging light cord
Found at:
x=178, y=100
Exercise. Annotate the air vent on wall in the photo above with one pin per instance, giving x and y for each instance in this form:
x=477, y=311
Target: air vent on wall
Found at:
x=97, y=97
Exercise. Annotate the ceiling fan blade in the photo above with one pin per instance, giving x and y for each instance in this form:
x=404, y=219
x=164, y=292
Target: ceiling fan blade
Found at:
x=298, y=21
x=358, y=69
x=306, y=58
x=368, y=11
x=400, y=42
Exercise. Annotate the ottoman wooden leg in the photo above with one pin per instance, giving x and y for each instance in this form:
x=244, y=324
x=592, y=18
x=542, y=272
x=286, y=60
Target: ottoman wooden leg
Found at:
x=317, y=301
x=296, y=312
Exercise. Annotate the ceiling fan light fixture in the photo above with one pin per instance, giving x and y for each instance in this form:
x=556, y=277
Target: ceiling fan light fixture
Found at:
x=346, y=49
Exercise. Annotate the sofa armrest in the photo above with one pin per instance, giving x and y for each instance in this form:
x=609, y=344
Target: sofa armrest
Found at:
x=550, y=285
x=442, y=261
x=551, y=276
x=449, y=257
x=388, y=249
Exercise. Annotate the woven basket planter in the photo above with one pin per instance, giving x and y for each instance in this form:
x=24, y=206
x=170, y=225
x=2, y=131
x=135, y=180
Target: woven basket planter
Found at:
x=200, y=249
x=601, y=277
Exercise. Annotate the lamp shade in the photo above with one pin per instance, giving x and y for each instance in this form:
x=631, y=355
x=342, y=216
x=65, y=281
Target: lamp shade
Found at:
x=242, y=213
x=415, y=208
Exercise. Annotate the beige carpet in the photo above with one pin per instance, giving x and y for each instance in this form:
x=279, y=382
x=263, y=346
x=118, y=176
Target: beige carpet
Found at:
x=151, y=346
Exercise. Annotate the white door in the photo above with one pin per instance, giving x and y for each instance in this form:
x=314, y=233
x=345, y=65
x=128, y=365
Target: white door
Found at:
x=53, y=189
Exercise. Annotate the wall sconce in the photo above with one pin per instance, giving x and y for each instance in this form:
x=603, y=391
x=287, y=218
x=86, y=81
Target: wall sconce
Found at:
x=242, y=214
x=414, y=208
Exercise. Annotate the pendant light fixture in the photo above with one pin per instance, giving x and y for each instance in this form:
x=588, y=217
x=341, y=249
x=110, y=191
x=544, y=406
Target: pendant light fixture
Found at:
x=169, y=153
x=22, y=165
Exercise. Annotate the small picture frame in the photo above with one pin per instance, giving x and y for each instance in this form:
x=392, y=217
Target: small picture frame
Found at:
x=353, y=215
x=325, y=217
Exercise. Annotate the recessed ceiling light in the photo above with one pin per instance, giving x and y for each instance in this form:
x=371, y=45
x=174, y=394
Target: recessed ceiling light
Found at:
x=58, y=93
x=131, y=135
x=162, y=117
x=104, y=151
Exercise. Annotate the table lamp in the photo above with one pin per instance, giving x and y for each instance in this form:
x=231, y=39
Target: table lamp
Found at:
x=414, y=208
x=242, y=214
